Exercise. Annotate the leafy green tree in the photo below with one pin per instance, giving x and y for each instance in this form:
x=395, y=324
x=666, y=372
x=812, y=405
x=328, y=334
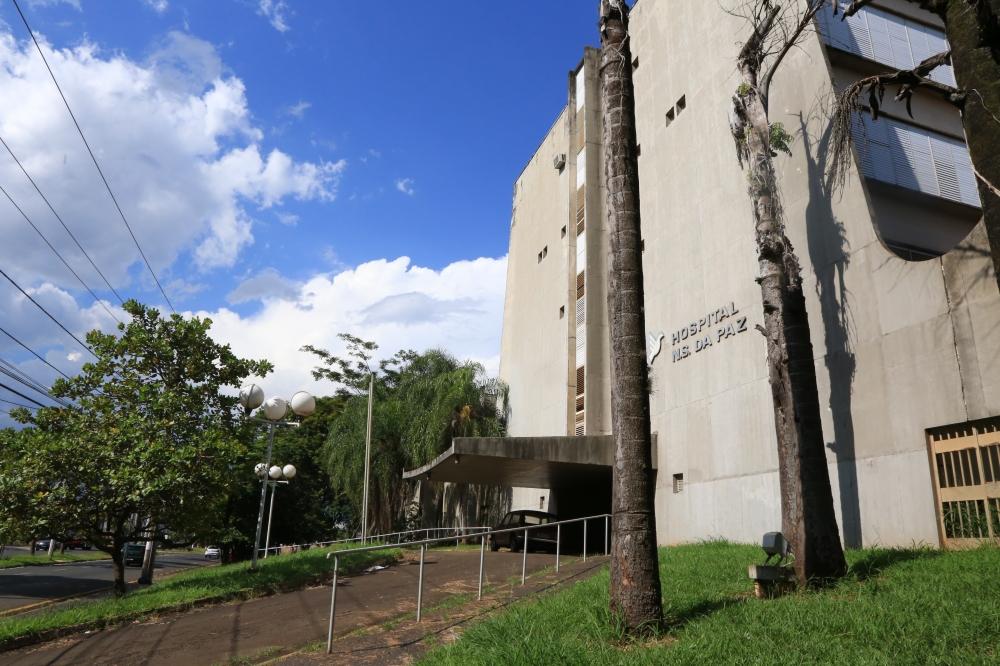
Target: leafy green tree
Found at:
x=149, y=446
x=421, y=402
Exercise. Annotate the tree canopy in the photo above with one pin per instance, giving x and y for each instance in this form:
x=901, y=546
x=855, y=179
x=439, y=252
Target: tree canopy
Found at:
x=148, y=446
x=421, y=402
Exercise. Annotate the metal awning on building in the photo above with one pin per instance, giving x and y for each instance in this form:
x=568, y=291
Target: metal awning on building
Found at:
x=524, y=462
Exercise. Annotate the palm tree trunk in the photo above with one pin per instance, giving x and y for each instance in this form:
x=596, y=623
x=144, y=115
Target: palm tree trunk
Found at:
x=808, y=520
x=973, y=31
x=635, y=581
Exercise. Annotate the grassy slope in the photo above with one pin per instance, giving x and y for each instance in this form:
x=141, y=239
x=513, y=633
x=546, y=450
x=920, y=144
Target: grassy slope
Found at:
x=896, y=606
x=184, y=589
x=42, y=559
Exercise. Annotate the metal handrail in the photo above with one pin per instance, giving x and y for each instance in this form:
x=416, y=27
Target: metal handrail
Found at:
x=482, y=556
x=375, y=537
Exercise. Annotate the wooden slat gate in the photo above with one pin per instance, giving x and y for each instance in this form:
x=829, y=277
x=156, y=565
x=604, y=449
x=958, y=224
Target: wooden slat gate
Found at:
x=965, y=463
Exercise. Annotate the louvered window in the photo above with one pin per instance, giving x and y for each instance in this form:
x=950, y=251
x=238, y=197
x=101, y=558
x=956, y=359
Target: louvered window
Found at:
x=579, y=420
x=581, y=209
x=909, y=156
x=581, y=318
x=886, y=38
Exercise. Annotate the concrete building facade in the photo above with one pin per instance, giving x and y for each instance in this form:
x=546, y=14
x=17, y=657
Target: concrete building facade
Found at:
x=903, y=305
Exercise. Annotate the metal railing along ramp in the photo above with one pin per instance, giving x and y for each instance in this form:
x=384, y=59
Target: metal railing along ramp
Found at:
x=401, y=538
x=483, y=535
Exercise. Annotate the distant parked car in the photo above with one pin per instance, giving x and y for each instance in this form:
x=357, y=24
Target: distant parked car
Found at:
x=539, y=538
x=76, y=542
x=133, y=553
x=213, y=553
x=43, y=544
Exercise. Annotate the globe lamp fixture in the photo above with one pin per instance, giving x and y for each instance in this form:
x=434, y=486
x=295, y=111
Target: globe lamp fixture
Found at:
x=251, y=396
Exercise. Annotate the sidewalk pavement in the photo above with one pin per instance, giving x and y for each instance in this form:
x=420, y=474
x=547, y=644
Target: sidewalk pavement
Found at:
x=279, y=624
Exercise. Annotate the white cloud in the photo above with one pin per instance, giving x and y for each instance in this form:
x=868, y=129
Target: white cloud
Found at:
x=298, y=110
x=269, y=284
x=405, y=185
x=75, y=4
x=158, y=6
x=458, y=308
x=288, y=219
x=176, y=139
x=275, y=11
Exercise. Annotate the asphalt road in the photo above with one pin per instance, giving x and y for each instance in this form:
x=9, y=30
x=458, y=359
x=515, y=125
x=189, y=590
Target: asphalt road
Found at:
x=23, y=586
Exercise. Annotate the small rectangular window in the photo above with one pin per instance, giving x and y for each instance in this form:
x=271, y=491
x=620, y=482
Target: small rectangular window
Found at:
x=562, y=233
x=635, y=63
x=670, y=116
x=562, y=311
x=678, y=483
x=638, y=149
x=681, y=103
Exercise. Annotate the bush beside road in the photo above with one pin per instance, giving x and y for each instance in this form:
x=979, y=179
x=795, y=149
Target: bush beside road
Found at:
x=907, y=606
x=186, y=590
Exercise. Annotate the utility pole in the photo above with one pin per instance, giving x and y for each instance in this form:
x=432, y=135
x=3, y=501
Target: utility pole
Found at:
x=368, y=455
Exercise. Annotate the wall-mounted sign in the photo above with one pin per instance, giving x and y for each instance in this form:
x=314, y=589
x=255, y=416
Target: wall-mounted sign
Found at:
x=654, y=342
x=708, y=331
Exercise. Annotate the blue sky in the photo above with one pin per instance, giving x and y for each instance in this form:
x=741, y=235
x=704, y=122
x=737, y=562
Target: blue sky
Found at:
x=455, y=104
x=278, y=158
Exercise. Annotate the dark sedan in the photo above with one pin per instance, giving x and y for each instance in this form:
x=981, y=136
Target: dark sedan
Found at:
x=539, y=538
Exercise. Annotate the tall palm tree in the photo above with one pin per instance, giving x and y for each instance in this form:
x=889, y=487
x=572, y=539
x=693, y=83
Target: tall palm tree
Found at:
x=807, y=515
x=635, y=581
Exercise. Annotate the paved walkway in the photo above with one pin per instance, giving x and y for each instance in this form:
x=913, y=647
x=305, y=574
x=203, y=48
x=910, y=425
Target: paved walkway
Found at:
x=279, y=623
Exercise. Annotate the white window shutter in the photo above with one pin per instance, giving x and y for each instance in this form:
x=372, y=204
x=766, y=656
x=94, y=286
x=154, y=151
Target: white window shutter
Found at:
x=886, y=38
x=908, y=156
x=878, y=32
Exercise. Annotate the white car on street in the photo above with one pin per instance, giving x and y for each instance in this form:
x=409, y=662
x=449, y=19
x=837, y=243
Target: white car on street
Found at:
x=212, y=553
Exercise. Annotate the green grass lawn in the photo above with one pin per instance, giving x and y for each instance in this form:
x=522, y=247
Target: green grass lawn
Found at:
x=182, y=590
x=895, y=607
x=42, y=559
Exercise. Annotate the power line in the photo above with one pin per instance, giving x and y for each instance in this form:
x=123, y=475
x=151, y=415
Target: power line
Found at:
x=92, y=156
x=54, y=250
x=58, y=217
x=20, y=395
x=33, y=352
x=49, y=314
x=16, y=404
x=18, y=375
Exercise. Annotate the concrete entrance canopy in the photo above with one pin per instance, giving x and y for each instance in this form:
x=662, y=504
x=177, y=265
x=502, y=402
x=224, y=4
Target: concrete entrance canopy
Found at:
x=524, y=462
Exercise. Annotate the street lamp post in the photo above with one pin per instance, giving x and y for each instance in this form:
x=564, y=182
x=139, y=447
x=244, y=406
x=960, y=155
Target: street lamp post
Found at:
x=274, y=410
x=277, y=474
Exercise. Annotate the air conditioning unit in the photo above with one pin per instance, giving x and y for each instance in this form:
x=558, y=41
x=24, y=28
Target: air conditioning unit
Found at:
x=559, y=161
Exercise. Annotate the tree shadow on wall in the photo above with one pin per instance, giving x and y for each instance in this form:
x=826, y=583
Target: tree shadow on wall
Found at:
x=830, y=255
